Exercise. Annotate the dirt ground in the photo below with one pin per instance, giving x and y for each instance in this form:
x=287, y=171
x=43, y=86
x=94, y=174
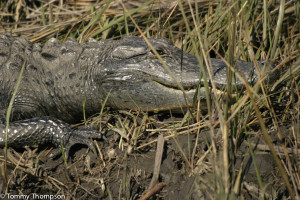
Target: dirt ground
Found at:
x=123, y=170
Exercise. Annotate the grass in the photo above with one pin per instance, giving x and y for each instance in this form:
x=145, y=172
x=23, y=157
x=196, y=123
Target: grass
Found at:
x=245, y=30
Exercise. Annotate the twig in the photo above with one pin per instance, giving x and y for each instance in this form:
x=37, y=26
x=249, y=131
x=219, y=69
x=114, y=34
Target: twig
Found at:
x=154, y=190
x=157, y=163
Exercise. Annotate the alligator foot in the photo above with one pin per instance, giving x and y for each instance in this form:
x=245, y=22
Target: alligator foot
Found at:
x=78, y=136
x=45, y=130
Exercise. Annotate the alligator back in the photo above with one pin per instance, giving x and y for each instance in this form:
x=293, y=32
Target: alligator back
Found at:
x=55, y=81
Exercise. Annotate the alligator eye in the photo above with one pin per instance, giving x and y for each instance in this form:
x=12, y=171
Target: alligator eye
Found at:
x=161, y=52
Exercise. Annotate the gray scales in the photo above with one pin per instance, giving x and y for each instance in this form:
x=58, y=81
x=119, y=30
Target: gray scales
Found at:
x=59, y=77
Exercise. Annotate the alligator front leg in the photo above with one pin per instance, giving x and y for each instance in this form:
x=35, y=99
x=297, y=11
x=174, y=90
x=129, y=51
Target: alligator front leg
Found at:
x=46, y=130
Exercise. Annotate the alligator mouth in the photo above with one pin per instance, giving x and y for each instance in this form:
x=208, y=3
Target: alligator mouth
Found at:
x=165, y=82
x=175, y=86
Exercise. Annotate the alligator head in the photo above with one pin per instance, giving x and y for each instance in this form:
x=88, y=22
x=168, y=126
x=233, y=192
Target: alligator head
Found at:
x=134, y=78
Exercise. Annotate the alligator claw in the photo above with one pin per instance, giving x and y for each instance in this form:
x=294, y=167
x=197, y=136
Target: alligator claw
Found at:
x=78, y=136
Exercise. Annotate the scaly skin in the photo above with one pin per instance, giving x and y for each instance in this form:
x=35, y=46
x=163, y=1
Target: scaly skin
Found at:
x=58, y=78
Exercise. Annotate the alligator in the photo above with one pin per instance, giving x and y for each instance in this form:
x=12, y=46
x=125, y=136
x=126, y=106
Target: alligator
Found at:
x=63, y=81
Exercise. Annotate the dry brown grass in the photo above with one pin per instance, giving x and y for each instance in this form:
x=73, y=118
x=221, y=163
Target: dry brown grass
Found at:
x=245, y=30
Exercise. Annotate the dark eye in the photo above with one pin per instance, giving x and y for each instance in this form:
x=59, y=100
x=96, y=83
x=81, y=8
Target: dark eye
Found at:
x=161, y=52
